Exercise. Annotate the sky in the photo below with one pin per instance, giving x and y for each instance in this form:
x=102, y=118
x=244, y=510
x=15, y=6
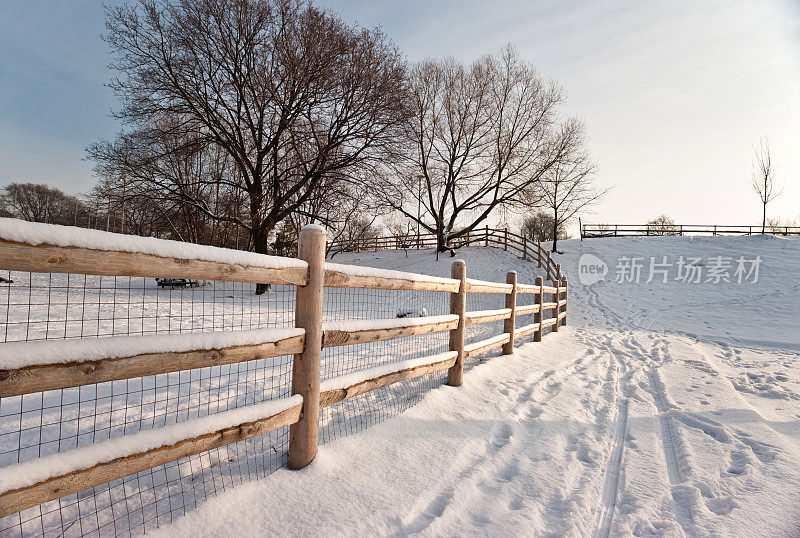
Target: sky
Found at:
x=674, y=94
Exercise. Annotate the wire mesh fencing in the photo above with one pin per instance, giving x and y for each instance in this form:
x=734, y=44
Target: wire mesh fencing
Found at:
x=44, y=306
x=356, y=414
x=58, y=306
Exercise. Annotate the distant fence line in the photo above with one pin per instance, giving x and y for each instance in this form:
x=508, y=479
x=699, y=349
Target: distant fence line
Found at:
x=525, y=247
x=622, y=230
x=38, y=367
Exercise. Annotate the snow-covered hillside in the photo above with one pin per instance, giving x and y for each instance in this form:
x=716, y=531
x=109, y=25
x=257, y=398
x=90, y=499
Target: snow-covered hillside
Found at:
x=662, y=409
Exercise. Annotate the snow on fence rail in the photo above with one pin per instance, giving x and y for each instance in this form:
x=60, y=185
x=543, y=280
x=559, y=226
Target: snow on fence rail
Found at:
x=37, y=367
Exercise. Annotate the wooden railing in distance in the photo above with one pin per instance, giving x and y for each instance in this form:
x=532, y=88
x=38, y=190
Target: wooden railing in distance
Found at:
x=621, y=230
x=43, y=371
x=525, y=247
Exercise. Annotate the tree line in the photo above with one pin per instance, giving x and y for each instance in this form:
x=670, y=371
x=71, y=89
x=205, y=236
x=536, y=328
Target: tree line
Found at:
x=245, y=120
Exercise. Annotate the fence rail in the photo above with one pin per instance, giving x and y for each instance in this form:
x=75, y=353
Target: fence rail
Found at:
x=525, y=247
x=621, y=230
x=37, y=367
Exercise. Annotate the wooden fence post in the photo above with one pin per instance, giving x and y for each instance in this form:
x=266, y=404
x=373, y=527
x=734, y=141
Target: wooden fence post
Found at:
x=558, y=272
x=538, y=254
x=304, y=435
x=549, y=262
x=524, y=247
x=537, y=316
x=509, y=324
x=505, y=239
x=458, y=305
x=487, y=237
x=566, y=300
x=556, y=298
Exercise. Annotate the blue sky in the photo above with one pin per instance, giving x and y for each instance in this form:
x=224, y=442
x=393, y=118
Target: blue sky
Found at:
x=674, y=93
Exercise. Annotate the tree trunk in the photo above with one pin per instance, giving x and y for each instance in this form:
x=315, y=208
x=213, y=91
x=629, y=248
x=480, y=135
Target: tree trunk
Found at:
x=764, y=220
x=260, y=245
x=555, y=231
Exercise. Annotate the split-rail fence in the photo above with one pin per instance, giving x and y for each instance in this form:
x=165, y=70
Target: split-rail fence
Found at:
x=525, y=247
x=35, y=481
x=625, y=230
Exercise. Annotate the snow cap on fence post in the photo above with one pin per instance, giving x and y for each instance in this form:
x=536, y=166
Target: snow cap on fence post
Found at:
x=510, y=323
x=566, y=292
x=458, y=306
x=537, y=316
x=304, y=435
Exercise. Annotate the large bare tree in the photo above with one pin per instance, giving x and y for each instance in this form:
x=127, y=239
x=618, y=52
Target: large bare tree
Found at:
x=567, y=187
x=763, y=179
x=289, y=93
x=37, y=202
x=481, y=136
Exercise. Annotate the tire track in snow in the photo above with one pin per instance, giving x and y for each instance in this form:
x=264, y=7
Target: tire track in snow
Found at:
x=681, y=499
x=611, y=485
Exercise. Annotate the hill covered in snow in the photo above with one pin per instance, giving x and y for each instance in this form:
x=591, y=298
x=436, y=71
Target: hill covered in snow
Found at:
x=668, y=406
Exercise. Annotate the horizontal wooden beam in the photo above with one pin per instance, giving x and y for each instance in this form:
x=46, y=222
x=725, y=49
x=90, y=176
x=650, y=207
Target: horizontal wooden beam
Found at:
x=57, y=259
x=549, y=289
x=333, y=396
x=338, y=337
x=527, y=329
x=42, y=377
x=527, y=309
x=485, y=316
x=527, y=288
x=480, y=286
x=335, y=278
x=548, y=306
x=548, y=322
x=489, y=343
x=16, y=500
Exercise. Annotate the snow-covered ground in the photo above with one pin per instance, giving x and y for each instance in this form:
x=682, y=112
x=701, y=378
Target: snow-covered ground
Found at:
x=662, y=409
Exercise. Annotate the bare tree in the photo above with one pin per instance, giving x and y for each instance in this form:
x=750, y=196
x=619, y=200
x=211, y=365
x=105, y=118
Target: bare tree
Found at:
x=763, y=178
x=539, y=226
x=287, y=92
x=662, y=225
x=480, y=138
x=567, y=186
x=176, y=184
x=37, y=202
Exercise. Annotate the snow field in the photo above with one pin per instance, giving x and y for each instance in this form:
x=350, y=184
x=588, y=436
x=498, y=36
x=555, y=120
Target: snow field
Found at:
x=663, y=409
x=50, y=307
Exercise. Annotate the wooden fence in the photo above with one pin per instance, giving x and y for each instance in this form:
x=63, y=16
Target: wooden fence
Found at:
x=621, y=230
x=36, y=481
x=525, y=247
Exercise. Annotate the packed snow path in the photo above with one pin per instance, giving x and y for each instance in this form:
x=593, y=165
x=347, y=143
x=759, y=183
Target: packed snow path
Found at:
x=605, y=428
